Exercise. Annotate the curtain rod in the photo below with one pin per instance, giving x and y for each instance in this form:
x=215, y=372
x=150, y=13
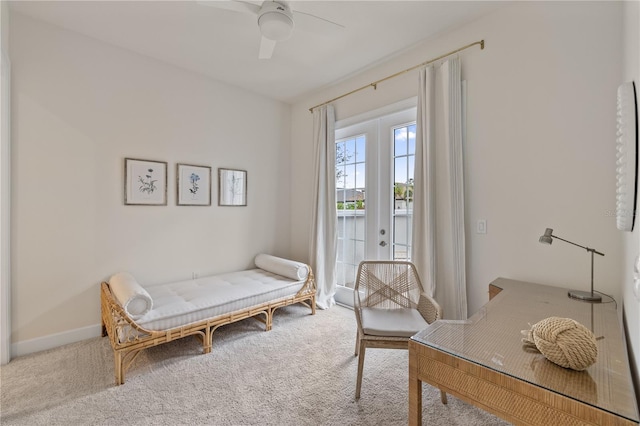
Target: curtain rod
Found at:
x=375, y=83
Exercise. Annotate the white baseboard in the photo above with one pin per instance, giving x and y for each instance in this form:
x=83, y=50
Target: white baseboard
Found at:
x=54, y=340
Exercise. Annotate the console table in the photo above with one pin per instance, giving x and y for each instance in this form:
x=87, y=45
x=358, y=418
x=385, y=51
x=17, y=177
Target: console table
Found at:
x=483, y=362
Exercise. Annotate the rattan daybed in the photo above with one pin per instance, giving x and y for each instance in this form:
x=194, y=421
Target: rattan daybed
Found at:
x=136, y=317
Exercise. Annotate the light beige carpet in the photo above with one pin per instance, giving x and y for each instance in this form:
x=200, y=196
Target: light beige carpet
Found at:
x=302, y=372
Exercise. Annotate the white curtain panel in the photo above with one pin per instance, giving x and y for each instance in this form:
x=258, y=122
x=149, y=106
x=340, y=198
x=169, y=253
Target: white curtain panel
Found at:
x=423, y=244
x=438, y=242
x=324, y=237
x=452, y=100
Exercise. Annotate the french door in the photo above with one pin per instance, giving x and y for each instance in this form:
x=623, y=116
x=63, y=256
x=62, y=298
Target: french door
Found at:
x=374, y=193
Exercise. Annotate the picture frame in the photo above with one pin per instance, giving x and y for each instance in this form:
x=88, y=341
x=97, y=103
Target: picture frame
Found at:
x=193, y=185
x=232, y=187
x=145, y=182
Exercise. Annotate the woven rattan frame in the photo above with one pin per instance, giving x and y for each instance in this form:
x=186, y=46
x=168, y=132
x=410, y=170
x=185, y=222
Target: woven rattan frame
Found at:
x=128, y=338
x=389, y=284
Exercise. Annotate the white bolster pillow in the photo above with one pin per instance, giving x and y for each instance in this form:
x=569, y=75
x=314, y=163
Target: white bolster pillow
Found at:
x=135, y=300
x=287, y=268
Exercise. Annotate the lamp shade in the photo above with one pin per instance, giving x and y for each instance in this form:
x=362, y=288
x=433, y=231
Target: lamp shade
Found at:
x=275, y=21
x=547, y=237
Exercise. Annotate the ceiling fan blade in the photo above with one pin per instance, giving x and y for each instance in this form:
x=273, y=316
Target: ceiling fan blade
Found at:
x=234, y=5
x=266, y=48
x=325, y=21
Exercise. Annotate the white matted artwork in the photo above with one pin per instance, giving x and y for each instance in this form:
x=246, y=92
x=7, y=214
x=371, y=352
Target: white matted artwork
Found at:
x=232, y=188
x=145, y=182
x=626, y=157
x=194, y=185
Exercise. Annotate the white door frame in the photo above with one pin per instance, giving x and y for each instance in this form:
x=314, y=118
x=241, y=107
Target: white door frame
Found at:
x=372, y=123
x=5, y=209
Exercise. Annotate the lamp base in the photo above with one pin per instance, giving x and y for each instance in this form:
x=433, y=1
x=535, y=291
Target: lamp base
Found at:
x=586, y=296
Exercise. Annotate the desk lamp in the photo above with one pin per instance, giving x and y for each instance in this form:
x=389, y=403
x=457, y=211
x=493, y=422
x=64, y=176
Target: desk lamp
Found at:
x=586, y=296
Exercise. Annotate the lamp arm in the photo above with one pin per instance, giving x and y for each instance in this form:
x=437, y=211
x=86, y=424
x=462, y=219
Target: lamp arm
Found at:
x=595, y=251
x=578, y=245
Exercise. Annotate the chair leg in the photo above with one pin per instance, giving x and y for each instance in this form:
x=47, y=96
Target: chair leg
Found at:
x=357, y=342
x=443, y=397
x=360, y=367
x=118, y=367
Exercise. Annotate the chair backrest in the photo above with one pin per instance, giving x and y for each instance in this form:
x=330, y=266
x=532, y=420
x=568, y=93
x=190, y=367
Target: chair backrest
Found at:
x=387, y=284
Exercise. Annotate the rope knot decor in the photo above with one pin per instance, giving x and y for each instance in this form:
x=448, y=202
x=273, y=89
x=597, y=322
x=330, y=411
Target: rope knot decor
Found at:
x=563, y=341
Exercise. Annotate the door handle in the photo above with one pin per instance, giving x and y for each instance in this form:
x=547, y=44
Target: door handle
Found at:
x=383, y=243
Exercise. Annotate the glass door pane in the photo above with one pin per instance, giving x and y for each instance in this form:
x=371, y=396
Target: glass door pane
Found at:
x=350, y=197
x=404, y=150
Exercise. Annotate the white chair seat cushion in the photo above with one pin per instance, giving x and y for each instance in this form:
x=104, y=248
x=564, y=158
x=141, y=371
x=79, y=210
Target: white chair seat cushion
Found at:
x=392, y=322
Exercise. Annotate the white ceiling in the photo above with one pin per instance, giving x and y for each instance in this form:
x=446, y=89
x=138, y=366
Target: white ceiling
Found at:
x=223, y=44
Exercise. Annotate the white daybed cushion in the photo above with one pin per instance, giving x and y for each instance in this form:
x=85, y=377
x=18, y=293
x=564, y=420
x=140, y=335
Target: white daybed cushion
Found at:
x=185, y=302
x=135, y=300
x=285, y=267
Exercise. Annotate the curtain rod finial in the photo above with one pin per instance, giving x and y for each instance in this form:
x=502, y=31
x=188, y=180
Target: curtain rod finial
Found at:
x=481, y=44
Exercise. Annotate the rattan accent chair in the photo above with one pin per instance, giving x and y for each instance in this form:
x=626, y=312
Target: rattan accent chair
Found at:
x=390, y=306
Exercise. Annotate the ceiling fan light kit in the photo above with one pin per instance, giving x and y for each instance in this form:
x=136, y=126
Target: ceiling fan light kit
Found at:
x=275, y=21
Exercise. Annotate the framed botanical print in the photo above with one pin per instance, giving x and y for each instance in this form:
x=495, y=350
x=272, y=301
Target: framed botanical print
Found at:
x=145, y=182
x=194, y=185
x=232, y=187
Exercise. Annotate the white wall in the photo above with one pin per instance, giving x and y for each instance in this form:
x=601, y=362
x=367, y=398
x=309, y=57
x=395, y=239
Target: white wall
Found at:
x=631, y=72
x=540, y=141
x=79, y=108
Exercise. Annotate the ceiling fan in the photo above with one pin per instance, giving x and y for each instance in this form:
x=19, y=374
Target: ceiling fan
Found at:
x=275, y=20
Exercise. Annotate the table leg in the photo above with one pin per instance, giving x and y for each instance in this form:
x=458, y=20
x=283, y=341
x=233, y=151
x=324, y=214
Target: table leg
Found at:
x=415, y=388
